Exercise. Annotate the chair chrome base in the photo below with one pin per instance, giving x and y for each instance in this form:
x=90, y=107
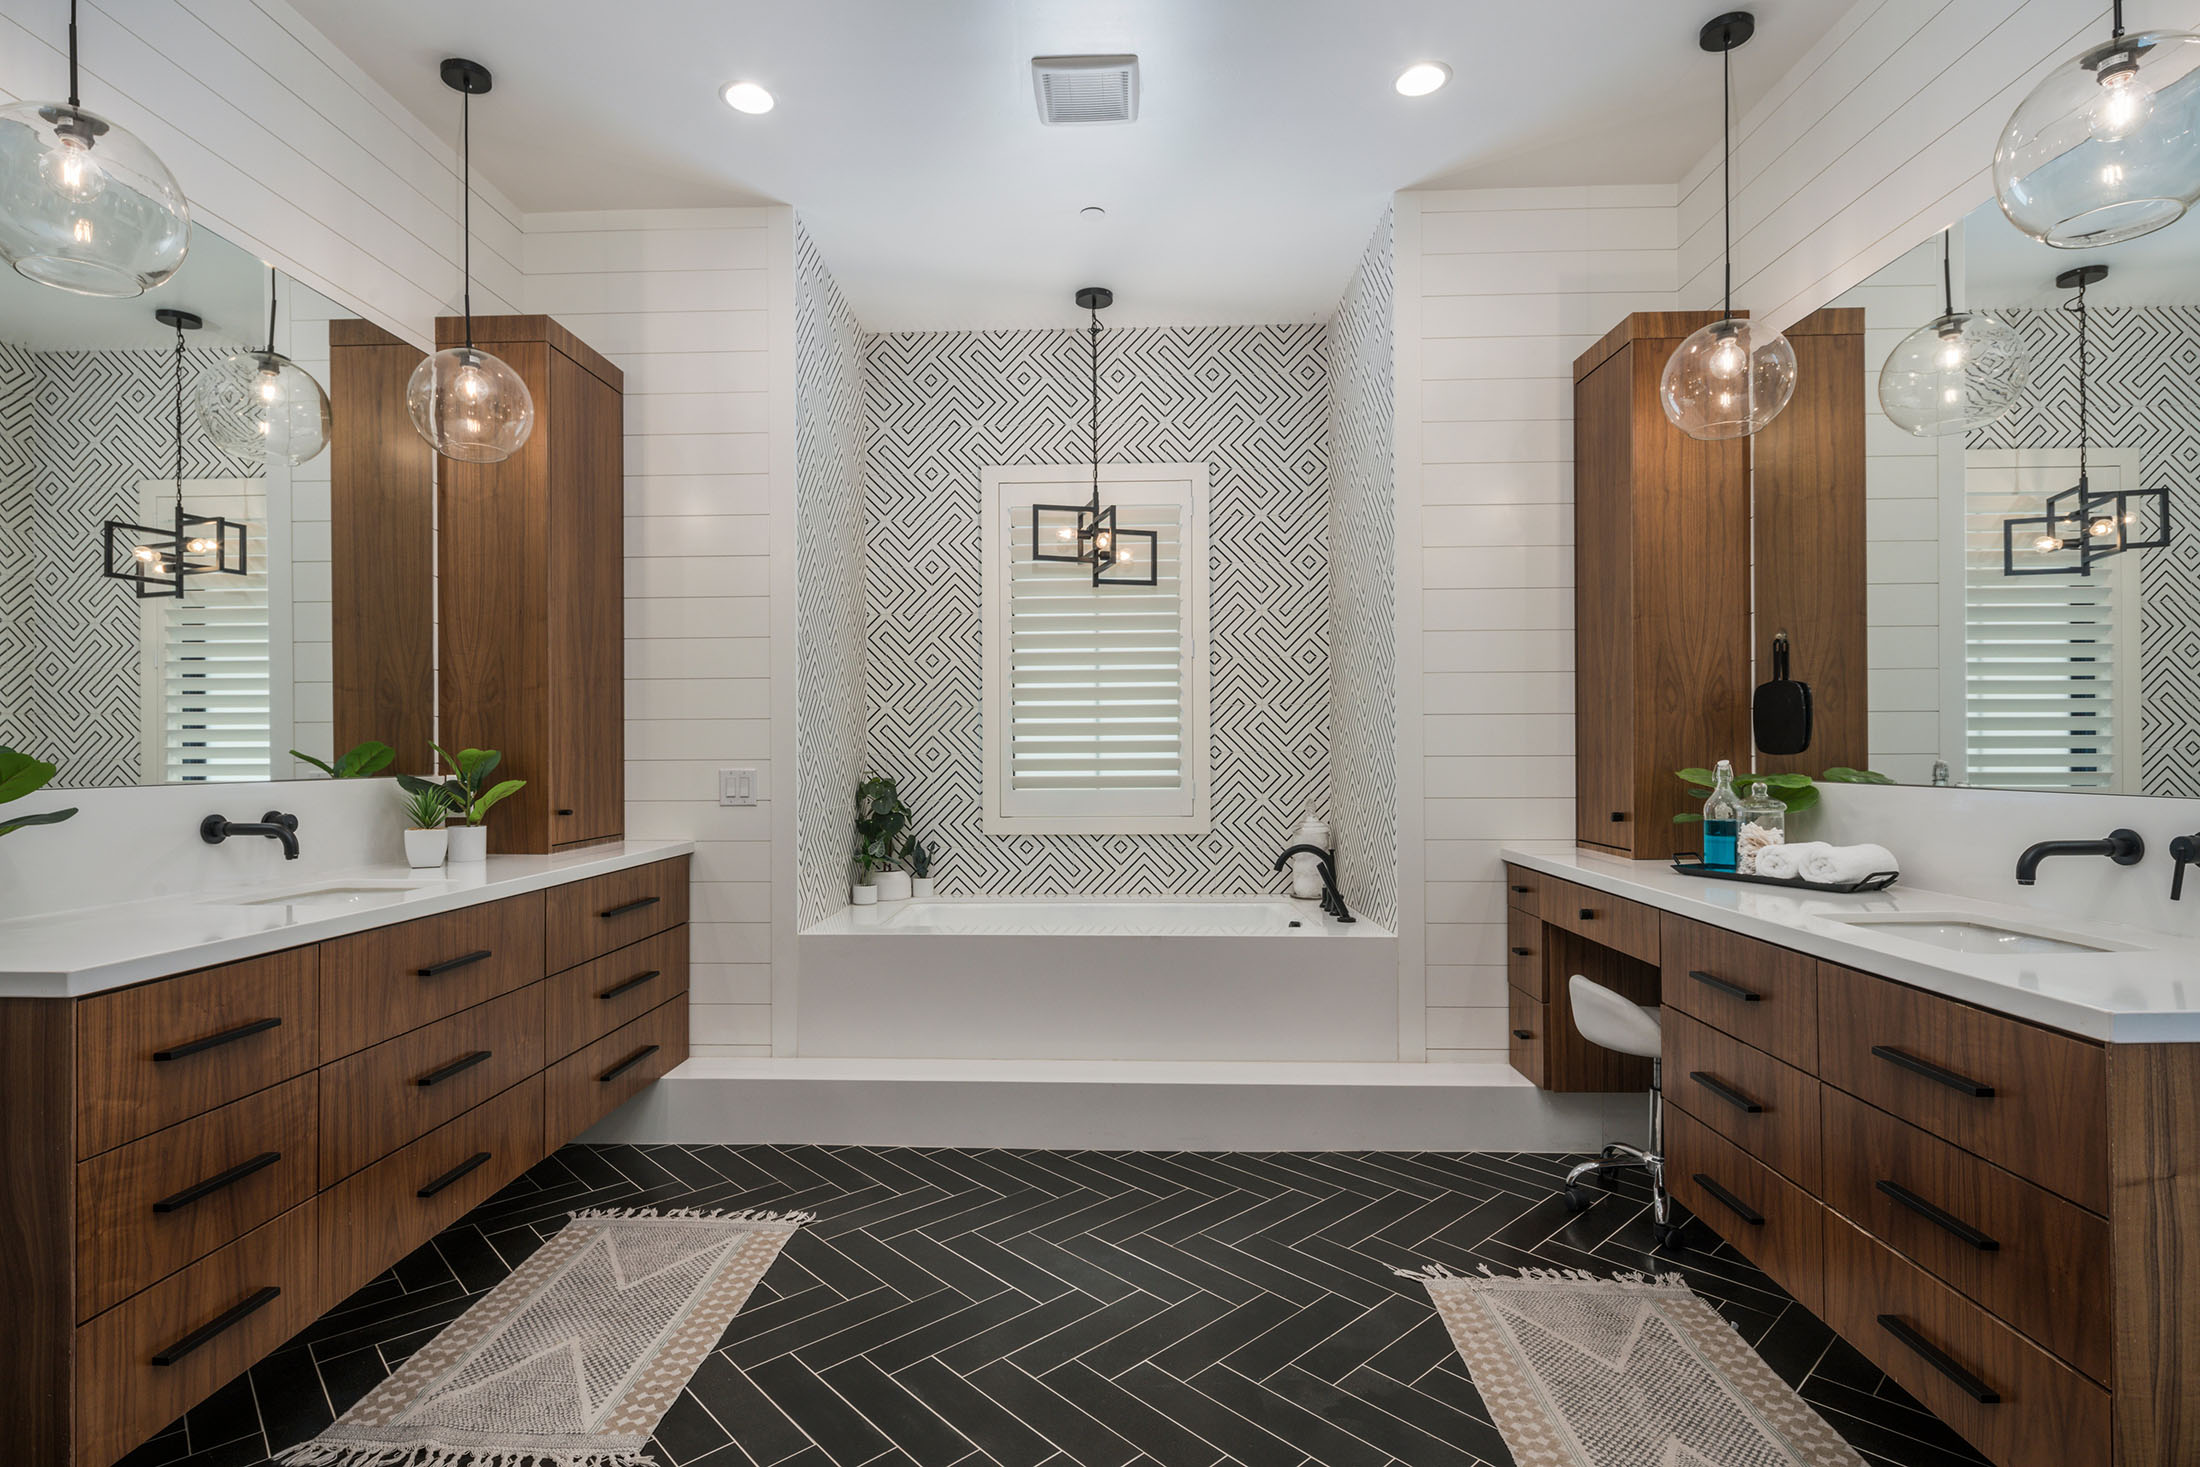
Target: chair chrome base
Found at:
x=1620, y=1157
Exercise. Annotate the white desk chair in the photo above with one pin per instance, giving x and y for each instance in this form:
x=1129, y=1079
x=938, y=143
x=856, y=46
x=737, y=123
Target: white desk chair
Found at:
x=1616, y=1023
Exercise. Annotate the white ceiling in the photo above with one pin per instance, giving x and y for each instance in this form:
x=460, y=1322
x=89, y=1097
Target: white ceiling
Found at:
x=2006, y=269
x=1268, y=137
x=219, y=282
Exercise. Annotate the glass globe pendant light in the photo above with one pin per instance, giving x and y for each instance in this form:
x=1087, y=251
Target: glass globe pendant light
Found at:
x=469, y=405
x=85, y=206
x=1959, y=371
x=2107, y=148
x=1732, y=377
x=261, y=404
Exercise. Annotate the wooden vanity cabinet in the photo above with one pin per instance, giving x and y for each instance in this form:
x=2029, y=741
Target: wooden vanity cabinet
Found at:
x=1553, y=930
x=193, y=1168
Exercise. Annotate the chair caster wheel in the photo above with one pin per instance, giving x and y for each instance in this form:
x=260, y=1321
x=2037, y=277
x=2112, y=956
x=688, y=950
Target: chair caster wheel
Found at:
x=1670, y=1237
x=1576, y=1200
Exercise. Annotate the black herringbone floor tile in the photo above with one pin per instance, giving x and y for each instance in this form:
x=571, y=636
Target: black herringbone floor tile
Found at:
x=1065, y=1309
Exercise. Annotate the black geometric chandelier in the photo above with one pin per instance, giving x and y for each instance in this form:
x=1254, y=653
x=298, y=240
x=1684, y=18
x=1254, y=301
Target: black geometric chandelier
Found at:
x=2093, y=524
x=1087, y=534
x=156, y=561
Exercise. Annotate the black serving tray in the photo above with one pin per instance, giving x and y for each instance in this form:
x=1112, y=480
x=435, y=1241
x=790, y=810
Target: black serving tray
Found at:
x=1877, y=881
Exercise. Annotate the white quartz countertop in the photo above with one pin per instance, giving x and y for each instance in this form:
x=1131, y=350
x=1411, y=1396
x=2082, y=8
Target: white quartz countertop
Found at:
x=89, y=950
x=2144, y=989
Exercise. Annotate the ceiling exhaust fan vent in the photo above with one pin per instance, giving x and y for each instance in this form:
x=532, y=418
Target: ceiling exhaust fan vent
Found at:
x=1074, y=91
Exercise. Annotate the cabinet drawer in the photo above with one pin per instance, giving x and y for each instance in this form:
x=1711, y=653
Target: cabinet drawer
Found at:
x=2027, y=1098
x=583, y=1004
x=1759, y=993
x=1611, y=921
x=2038, y=1262
x=1524, y=967
x=206, y=1323
x=146, y=1209
x=377, y=1100
x=1767, y=1108
x=584, y=1087
x=1776, y=1225
x=590, y=918
x=1946, y=1351
x=384, y=982
x=1524, y=889
x=1527, y=1022
x=149, y=1056
x=376, y=1217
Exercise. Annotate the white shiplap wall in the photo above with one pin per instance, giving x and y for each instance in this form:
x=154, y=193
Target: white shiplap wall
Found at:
x=305, y=318
x=689, y=304
x=1498, y=291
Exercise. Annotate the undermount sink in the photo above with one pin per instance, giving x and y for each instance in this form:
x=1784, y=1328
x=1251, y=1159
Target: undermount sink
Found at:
x=1961, y=934
x=333, y=899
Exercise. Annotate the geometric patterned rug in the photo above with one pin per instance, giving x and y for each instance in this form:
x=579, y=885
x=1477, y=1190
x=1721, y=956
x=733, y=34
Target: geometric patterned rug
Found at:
x=572, y=1360
x=1579, y=1371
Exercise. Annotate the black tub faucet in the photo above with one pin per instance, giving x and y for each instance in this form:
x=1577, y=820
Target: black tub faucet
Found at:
x=275, y=825
x=1332, y=899
x=2124, y=847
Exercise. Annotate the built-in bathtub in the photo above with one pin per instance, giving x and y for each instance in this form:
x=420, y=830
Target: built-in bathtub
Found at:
x=1134, y=978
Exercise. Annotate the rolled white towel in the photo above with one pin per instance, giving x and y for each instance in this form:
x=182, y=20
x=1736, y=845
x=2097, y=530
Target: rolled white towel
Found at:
x=1838, y=865
x=1783, y=863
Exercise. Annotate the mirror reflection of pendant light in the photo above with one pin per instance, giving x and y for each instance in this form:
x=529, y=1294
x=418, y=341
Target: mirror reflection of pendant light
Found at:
x=85, y=206
x=2107, y=148
x=1732, y=377
x=156, y=561
x=1087, y=534
x=468, y=404
x=261, y=404
x=2093, y=525
x=1961, y=370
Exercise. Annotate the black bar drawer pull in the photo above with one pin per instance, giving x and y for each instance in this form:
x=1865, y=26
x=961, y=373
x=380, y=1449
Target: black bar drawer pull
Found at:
x=458, y=1066
x=1523, y=1034
x=634, y=982
x=1731, y=990
x=1934, y=1072
x=1588, y=914
x=453, y=1174
x=1523, y=890
x=1523, y=952
x=463, y=960
x=218, y=1181
x=629, y=1062
x=216, y=1041
x=1939, y=1217
x=1731, y=1096
x=1925, y=1350
x=630, y=907
x=1731, y=1202
x=215, y=1326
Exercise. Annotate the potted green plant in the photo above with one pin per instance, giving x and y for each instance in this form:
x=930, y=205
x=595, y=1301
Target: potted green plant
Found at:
x=22, y=775
x=427, y=840
x=361, y=761
x=881, y=818
x=468, y=795
x=920, y=867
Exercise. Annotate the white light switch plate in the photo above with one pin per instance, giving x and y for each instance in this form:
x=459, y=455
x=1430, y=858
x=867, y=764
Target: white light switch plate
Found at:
x=736, y=786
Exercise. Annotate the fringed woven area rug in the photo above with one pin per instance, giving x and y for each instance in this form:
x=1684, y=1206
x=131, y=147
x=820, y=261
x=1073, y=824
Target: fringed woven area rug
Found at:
x=572, y=1360
x=1579, y=1371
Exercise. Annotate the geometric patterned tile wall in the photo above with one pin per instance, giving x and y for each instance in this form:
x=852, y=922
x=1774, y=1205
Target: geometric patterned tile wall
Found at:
x=18, y=388
x=828, y=582
x=2144, y=394
x=1363, y=678
x=939, y=407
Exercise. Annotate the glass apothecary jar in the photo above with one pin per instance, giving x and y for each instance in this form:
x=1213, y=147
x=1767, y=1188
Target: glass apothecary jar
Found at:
x=1764, y=823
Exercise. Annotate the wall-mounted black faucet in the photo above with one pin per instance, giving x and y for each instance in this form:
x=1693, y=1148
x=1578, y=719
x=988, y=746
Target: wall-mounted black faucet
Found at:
x=2124, y=847
x=2185, y=850
x=275, y=825
x=1332, y=899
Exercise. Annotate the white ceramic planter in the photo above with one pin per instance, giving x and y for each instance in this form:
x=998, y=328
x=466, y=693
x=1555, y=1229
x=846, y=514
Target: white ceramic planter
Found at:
x=426, y=848
x=863, y=894
x=920, y=886
x=469, y=843
x=893, y=886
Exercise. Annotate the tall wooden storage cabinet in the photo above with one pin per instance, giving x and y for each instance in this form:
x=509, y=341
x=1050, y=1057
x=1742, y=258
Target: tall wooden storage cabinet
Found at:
x=1661, y=577
x=530, y=576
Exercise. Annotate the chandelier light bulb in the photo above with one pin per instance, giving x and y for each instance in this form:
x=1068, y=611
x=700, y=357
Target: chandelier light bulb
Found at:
x=2047, y=544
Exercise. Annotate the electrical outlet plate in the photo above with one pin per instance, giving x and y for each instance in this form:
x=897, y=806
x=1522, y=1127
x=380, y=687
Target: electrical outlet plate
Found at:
x=736, y=786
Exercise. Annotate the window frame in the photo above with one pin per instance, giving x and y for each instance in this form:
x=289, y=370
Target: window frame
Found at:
x=1094, y=812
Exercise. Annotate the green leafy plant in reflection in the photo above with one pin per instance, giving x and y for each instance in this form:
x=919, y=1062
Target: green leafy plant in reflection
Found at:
x=1842, y=774
x=22, y=775
x=920, y=857
x=881, y=817
x=359, y=762
x=1796, y=790
x=467, y=793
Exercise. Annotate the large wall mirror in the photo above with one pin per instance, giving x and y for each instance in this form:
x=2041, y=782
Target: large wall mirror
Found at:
x=2011, y=644
x=113, y=666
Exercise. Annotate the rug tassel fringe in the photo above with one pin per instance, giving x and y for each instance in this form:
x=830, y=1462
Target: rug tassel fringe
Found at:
x=746, y=1214
x=1429, y=1273
x=338, y=1454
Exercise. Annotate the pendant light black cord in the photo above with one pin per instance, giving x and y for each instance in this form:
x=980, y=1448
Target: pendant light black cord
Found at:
x=466, y=209
x=2118, y=33
x=1094, y=333
x=271, y=310
x=179, y=428
x=75, y=102
x=1726, y=136
x=1947, y=272
x=2084, y=418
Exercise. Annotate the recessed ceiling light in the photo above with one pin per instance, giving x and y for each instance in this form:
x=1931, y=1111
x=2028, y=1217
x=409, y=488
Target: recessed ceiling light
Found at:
x=747, y=96
x=1422, y=77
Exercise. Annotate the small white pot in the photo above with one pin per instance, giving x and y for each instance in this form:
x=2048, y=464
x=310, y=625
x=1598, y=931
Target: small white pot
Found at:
x=920, y=886
x=426, y=848
x=893, y=886
x=863, y=894
x=469, y=843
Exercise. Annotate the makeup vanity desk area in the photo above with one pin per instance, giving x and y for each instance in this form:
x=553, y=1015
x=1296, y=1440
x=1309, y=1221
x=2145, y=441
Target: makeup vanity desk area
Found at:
x=220, y=1115
x=1981, y=1171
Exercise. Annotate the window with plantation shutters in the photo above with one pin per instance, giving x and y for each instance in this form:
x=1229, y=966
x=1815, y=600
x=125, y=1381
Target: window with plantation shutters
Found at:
x=1095, y=706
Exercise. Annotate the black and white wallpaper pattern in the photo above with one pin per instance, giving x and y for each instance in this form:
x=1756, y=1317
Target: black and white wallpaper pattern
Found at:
x=2144, y=391
x=828, y=582
x=939, y=407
